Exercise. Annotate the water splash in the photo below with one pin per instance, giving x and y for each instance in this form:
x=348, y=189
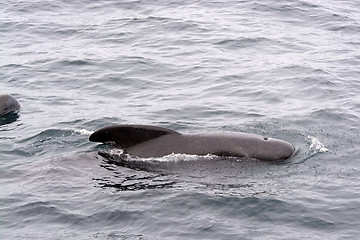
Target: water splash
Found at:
x=82, y=131
x=316, y=146
x=174, y=157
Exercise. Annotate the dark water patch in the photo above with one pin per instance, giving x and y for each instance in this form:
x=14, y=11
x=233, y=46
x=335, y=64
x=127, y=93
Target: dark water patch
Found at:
x=116, y=38
x=177, y=25
x=76, y=62
x=135, y=183
x=66, y=32
x=242, y=42
x=8, y=118
x=350, y=28
x=14, y=66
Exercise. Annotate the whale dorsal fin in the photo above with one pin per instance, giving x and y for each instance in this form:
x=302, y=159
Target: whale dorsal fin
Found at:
x=129, y=135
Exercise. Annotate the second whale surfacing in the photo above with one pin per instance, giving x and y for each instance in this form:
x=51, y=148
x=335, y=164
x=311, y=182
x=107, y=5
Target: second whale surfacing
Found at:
x=8, y=104
x=150, y=141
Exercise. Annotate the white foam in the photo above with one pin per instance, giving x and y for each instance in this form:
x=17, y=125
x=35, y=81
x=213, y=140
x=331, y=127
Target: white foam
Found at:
x=185, y=157
x=117, y=152
x=82, y=131
x=174, y=157
x=316, y=145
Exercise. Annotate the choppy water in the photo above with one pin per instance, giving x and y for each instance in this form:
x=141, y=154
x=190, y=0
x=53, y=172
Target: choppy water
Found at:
x=285, y=69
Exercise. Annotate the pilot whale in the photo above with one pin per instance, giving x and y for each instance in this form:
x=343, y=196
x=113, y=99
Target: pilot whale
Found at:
x=8, y=104
x=150, y=141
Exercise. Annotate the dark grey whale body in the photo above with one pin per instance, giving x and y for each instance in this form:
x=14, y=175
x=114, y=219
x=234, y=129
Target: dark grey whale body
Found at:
x=150, y=141
x=8, y=104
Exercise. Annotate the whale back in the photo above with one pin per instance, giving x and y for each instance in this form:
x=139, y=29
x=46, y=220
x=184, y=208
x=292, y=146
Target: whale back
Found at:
x=230, y=144
x=129, y=135
x=150, y=141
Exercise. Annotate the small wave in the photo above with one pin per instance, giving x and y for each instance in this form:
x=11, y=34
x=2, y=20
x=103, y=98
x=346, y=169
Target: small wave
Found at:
x=58, y=133
x=76, y=62
x=242, y=42
x=316, y=145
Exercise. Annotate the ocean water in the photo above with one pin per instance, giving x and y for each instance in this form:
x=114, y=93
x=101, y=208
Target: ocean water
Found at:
x=284, y=69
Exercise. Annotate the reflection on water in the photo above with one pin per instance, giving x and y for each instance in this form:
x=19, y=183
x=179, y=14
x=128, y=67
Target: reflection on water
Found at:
x=122, y=180
x=219, y=175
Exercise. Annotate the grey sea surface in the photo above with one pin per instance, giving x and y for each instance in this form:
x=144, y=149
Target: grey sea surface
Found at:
x=283, y=69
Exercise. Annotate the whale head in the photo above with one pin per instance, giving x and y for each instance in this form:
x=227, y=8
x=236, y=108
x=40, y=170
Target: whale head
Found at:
x=8, y=104
x=265, y=148
x=238, y=144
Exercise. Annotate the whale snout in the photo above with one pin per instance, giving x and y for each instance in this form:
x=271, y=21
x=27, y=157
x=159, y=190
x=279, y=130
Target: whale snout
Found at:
x=279, y=149
x=270, y=149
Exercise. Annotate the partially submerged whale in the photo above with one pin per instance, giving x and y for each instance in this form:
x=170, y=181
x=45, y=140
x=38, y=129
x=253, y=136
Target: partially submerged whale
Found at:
x=8, y=104
x=151, y=141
